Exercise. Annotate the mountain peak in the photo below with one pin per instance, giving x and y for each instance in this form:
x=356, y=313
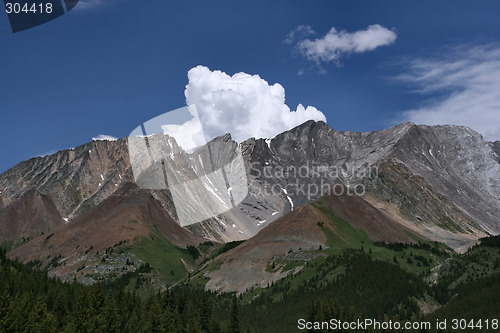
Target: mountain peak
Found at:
x=496, y=147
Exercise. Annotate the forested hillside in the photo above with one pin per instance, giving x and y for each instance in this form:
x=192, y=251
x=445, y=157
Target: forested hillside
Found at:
x=31, y=302
x=348, y=285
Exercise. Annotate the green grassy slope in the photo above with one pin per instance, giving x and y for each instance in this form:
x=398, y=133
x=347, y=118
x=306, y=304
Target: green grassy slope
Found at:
x=166, y=258
x=416, y=258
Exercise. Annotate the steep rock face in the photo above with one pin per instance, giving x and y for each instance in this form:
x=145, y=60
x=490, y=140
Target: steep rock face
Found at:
x=195, y=187
x=496, y=147
x=459, y=164
x=433, y=175
x=77, y=179
x=305, y=163
x=409, y=199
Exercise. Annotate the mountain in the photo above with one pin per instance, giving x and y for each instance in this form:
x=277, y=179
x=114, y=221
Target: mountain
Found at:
x=128, y=216
x=76, y=180
x=435, y=183
x=453, y=197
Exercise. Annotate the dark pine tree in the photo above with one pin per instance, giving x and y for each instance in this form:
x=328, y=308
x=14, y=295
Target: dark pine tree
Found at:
x=234, y=324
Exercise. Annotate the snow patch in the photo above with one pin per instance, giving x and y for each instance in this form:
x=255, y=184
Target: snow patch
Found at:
x=213, y=192
x=268, y=142
x=289, y=199
x=220, y=221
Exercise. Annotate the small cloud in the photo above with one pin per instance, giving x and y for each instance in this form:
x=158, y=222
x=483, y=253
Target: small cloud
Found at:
x=90, y=4
x=301, y=31
x=104, y=137
x=87, y=4
x=335, y=44
x=467, y=79
x=244, y=105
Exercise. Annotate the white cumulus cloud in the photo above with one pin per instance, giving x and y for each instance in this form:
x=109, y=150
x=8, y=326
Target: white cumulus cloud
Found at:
x=467, y=78
x=332, y=46
x=244, y=105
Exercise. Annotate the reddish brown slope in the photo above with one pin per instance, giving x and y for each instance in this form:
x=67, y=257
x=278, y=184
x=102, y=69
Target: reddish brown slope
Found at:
x=362, y=215
x=28, y=217
x=245, y=265
x=299, y=231
x=128, y=213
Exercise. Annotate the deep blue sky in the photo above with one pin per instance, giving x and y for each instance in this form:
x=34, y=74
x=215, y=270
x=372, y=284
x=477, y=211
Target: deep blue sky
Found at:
x=106, y=69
